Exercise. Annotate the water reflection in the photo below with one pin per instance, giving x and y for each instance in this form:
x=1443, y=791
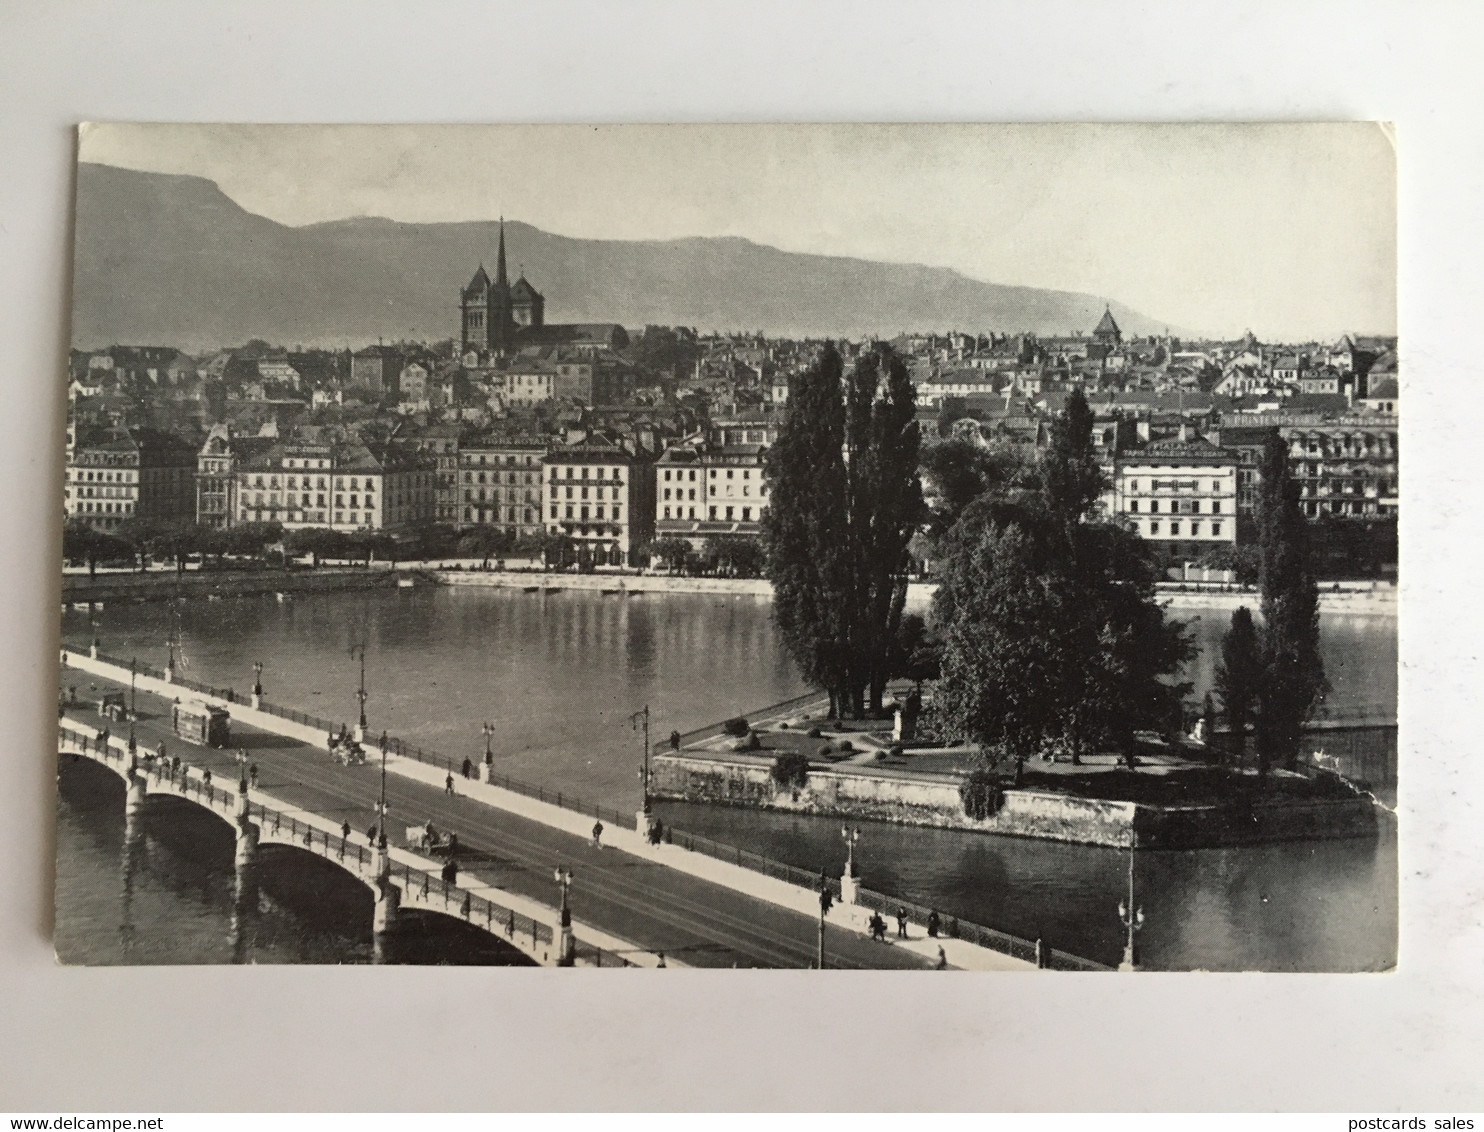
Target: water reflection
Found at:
x=559, y=674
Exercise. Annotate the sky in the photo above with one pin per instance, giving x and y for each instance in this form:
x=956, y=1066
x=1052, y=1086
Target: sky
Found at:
x=1287, y=229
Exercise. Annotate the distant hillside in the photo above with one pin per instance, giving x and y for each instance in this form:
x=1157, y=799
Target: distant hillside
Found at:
x=171, y=259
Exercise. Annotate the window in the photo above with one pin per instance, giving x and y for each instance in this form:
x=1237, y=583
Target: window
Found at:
x=1195, y=506
x=667, y=492
x=1154, y=527
x=1154, y=507
x=713, y=512
x=1195, y=530
x=1216, y=507
x=1134, y=507
x=746, y=514
x=667, y=480
x=1215, y=530
x=667, y=512
x=1175, y=528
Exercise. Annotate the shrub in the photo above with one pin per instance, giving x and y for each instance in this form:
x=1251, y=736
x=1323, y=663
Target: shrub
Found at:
x=791, y=770
x=845, y=746
x=980, y=793
x=737, y=727
x=750, y=743
x=813, y=733
x=895, y=750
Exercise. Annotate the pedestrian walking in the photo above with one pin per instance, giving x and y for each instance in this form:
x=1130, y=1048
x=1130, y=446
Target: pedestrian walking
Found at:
x=468, y=767
x=597, y=835
x=942, y=958
x=206, y=776
x=878, y=927
x=661, y=963
x=345, y=831
x=901, y=923
x=371, y=834
x=252, y=775
x=448, y=785
x=932, y=924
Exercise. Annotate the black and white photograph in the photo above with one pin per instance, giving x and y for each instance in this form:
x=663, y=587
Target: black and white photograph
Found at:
x=906, y=547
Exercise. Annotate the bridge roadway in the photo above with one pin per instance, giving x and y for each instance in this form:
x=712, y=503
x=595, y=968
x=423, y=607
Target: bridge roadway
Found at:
x=660, y=909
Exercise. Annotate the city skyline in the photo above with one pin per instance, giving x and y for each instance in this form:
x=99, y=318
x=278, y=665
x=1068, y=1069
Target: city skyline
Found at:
x=1216, y=229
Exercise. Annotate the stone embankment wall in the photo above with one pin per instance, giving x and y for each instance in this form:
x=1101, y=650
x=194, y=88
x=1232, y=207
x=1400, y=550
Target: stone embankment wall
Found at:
x=630, y=583
x=1380, y=600
x=933, y=800
x=164, y=585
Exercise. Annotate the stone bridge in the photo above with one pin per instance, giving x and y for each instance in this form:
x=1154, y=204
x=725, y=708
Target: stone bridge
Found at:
x=399, y=881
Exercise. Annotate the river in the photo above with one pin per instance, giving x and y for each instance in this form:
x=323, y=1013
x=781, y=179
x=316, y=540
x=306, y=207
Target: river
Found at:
x=558, y=675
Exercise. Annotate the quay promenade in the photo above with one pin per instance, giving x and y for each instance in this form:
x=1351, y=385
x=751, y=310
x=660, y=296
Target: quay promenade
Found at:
x=631, y=900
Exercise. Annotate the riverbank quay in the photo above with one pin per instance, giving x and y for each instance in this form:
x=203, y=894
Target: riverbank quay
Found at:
x=713, y=905
x=197, y=585
x=1375, y=599
x=1174, y=800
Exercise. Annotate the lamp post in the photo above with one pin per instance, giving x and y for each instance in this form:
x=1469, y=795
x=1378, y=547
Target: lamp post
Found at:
x=566, y=944
x=850, y=882
x=642, y=716
x=826, y=902
x=381, y=806
x=489, y=754
x=257, y=683
x=361, y=695
x=1131, y=917
x=133, y=699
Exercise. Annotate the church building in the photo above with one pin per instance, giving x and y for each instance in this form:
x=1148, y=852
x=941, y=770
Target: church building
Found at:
x=495, y=311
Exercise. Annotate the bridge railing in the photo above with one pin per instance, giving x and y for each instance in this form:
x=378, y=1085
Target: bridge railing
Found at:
x=747, y=859
x=420, y=885
x=991, y=938
x=561, y=798
x=952, y=927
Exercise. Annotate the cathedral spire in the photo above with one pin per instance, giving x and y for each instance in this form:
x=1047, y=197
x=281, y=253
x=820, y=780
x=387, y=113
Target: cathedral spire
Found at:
x=502, y=277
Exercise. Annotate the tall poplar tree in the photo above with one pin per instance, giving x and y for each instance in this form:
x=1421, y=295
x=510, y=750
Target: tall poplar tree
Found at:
x=1239, y=677
x=845, y=502
x=805, y=531
x=884, y=502
x=1293, y=677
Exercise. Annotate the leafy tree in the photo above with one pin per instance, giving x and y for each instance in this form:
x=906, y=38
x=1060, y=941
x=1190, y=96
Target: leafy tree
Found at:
x=806, y=528
x=846, y=502
x=736, y=557
x=1293, y=678
x=673, y=552
x=485, y=543
x=1052, y=634
x=960, y=471
x=980, y=793
x=790, y=770
x=1071, y=479
x=1239, y=676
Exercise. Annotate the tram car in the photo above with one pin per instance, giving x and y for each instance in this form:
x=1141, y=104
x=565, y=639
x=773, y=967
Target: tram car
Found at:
x=201, y=723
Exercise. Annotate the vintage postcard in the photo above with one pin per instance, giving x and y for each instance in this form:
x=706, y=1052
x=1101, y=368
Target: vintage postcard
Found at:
x=911, y=547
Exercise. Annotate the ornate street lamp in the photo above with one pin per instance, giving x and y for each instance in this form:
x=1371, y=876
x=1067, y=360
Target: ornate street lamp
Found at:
x=1131, y=917
x=566, y=945
x=257, y=682
x=850, y=882
x=361, y=695
x=634, y=721
x=133, y=699
x=826, y=902
x=381, y=806
x=489, y=754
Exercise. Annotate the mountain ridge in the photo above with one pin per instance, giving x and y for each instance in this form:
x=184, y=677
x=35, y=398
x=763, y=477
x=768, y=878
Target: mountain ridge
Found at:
x=170, y=258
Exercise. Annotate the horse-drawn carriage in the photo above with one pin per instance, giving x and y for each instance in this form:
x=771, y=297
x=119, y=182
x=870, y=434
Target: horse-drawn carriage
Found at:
x=427, y=839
